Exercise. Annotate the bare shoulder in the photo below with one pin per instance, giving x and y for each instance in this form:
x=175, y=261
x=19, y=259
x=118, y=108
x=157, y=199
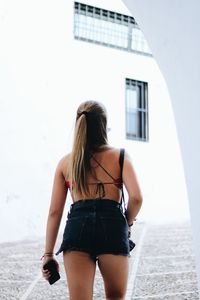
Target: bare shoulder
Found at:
x=63, y=164
x=112, y=151
x=127, y=156
x=116, y=152
x=128, y=164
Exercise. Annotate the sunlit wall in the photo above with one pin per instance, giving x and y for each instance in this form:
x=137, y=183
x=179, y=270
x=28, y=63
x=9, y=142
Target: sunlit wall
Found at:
x=44, y=74
x=172, y=30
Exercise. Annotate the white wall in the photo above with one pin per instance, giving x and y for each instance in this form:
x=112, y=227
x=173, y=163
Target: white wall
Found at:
x=44, y=75
x=158, y=163
x=172, y=30
x=34, y=116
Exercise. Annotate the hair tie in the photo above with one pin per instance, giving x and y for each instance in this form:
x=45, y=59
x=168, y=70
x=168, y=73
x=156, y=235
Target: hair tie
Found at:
x=86, y=113
x=83, y=113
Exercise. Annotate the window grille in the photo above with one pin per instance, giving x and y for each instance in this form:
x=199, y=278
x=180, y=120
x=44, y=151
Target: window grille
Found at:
x=108, y=28
x=136, y=110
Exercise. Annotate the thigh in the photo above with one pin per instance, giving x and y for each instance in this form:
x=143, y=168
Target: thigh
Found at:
x=114, y=270
x=80, y=272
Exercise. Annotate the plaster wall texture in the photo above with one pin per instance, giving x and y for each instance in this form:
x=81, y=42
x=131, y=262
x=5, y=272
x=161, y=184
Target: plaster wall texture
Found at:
x=45, y=73
x=171, y=29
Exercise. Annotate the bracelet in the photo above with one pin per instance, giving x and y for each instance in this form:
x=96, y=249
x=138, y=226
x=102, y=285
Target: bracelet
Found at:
x=48, y=254
x=129, y=225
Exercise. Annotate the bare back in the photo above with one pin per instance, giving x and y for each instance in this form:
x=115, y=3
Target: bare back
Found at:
x=104, y=179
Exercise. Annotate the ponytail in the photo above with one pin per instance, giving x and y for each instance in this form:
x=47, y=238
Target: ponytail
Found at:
x=90, y=135
x=80, y=163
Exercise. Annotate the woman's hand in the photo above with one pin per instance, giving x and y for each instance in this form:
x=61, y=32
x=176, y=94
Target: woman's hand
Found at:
x=45, y=273
x=129, y=232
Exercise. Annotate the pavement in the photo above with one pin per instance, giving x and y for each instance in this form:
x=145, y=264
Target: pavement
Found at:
x=161, y=267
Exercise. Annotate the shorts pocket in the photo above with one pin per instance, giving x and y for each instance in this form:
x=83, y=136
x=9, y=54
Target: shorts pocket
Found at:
x=115, y=230
x=74, y=229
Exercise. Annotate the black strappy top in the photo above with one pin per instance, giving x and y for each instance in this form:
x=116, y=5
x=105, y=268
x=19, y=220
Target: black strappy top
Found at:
x=100, y=185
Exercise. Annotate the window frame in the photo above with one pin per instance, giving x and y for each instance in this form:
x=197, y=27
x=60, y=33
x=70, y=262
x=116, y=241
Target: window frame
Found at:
x=143, y=109
x=115, y=18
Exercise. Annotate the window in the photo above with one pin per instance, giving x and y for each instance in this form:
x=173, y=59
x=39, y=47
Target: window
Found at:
x=136, y=110
x=108, y=28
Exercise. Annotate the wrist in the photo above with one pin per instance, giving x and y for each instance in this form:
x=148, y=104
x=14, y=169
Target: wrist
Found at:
x=131, y=223
x=47, y=255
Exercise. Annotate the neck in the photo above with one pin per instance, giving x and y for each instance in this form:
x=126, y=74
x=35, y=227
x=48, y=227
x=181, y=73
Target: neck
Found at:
x=103, y=148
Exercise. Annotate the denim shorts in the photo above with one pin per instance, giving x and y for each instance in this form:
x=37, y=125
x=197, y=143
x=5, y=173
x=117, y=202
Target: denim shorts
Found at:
x=96, y=226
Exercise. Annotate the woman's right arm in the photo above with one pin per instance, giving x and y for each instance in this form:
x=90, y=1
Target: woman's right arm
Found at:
x=133, y=190
x=58, y=198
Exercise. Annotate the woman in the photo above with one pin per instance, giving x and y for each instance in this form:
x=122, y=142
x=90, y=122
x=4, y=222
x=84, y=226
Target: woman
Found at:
x=96, y=229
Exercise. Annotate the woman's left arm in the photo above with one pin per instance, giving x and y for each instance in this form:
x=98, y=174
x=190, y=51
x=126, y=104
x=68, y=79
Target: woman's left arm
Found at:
x=58, y=198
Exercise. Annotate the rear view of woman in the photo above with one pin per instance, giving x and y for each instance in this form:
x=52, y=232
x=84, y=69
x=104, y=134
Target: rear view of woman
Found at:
x=96, y=231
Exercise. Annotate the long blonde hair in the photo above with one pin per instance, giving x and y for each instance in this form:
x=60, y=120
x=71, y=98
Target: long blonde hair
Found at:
x=90, y=135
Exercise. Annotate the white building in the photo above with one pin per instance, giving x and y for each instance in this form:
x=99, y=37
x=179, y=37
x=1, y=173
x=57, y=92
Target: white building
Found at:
x=53, y=58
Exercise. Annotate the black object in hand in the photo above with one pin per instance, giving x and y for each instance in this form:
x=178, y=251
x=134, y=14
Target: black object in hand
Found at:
x=131, y=245
x=51, y=266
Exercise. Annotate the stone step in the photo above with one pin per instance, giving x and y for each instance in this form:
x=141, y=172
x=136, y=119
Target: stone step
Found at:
x=166, y=267
x=162, y=266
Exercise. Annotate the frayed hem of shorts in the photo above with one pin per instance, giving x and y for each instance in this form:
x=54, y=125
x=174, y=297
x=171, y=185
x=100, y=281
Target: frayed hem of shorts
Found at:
x=94, y=257
x=113, y=253
x=69, y=249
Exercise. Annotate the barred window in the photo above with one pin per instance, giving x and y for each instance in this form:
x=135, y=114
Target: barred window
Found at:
x=108, y=28
x=136, y=110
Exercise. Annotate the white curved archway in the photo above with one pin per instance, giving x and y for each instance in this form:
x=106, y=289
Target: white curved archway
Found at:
x=172, y=30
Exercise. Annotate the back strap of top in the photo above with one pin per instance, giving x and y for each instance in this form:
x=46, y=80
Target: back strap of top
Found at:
x=100, y=185
x=121, y=162
x=103, y=169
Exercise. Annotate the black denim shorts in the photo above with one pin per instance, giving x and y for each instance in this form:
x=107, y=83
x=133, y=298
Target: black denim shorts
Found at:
x=96, y=226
